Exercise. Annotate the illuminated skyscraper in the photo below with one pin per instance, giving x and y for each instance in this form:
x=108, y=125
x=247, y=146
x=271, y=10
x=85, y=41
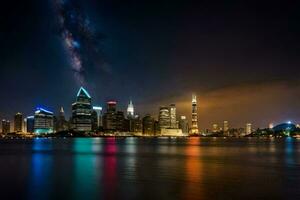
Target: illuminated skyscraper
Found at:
x=130, y=110
x=184, y=125
x=5, y=126
x=164, y=117
x=194, y=128
x=18, y=122
x=173, y=121
x=98, y=109
x=215, y=128
x=43, y=121
x=81, y=112
x=226, y=127
x=248, y=128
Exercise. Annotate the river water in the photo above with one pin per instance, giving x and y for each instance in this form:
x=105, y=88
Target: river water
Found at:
x=150, y=168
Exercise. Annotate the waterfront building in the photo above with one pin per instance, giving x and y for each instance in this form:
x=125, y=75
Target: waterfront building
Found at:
x=194, y=128
x=5, y=126
x=81, y=112
x=30, y=124
x=137, y=124
x=184, y=125
x=18, y=122
x=148, y=125
x=110, y=117
x=24, y=129
x=156, y=127
x=173, y=121
x=164, y=117
x=98, y=110
x=120, y=121
x=130, y=110
x=94, y=118
x=61, y=122
x=226, y=128
x=171, y=132
x=215, y=128
x=248, y=128
x=43, y=121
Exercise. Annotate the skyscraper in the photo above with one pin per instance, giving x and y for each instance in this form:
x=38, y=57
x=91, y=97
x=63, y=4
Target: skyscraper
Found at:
x=164, y=117
x=173, y=121
x=61, y=123
x=248, y=128
x=30, y=124
x=43, y=121
x=98, y=109
x=194, y=128
x=215, y=128
x=5, y=126
x=184, y=125
x=81, y=112
x=94, y=118
x=120, y=121
x=18, y=122
x=148, y=125
x=130, y=110
x=226, y=128
x=110, y=117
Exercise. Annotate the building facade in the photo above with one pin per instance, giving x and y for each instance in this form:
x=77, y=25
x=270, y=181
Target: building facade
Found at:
x=173, y=120
x=18, y=122
x=215, y=128
x=110, y=117
x=130, y=110
x=148, y=125
x=194, y=128
x=43, y=121
x=5, y=126
x=184, y=125
x=98, y=110
x=30, y=124
x=164, y=117
x=61, y=123
x=248, y=128
x=81, y=112
x=226, y=128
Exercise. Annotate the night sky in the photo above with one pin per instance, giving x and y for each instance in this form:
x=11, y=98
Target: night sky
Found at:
x=241, y=58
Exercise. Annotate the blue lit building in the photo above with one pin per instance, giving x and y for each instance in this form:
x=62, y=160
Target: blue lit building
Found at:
x=81, y=112
x=43, y=121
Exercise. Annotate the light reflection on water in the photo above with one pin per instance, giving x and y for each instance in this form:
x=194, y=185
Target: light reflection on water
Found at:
x=157, y=168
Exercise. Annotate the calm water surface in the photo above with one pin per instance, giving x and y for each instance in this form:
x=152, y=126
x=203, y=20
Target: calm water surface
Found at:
x=161, y=168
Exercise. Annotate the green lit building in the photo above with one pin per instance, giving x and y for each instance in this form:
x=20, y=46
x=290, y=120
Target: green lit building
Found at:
x=43, y=121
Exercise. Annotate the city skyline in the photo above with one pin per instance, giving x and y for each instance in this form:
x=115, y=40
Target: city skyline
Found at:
x=172, y=120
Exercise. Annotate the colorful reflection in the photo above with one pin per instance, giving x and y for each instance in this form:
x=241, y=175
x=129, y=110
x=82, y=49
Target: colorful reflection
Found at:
x=109, y=168
x=41, y=169
x=194, y=170
x=87, y=168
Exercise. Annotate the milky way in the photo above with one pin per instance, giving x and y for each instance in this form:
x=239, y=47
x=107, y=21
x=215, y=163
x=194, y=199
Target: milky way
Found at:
x=78, y=36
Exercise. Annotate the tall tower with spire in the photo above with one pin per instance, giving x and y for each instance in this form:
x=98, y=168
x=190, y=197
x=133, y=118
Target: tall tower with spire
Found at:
x=194, y=128
x=61, y=124
x=130, y=110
